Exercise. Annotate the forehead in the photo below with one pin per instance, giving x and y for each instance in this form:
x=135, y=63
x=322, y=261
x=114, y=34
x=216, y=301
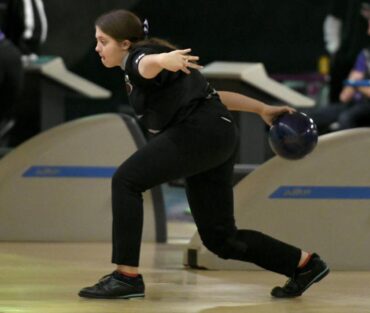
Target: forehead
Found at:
x=100, y=34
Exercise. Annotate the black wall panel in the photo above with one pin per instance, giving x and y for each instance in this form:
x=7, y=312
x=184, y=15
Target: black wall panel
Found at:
x=285, y=35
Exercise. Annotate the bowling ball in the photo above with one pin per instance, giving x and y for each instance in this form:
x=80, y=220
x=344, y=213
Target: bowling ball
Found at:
x=293, y=135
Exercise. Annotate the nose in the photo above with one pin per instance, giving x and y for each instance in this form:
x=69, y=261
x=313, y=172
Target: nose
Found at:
x=97, y=48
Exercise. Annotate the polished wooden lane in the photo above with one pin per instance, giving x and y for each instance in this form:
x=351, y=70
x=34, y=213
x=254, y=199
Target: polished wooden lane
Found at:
x=46, y=277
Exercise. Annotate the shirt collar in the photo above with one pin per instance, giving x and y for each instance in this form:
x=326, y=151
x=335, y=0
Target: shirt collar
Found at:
x=124, y=61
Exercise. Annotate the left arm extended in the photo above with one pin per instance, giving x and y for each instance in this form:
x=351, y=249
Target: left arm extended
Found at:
x=178, y=60
x=238, y=102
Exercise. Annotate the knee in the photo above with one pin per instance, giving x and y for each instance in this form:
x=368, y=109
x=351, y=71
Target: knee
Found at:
x=217, y=247
x=224, y=244
x=123, y=182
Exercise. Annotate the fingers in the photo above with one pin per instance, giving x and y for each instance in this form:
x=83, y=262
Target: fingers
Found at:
x=186, y=61
x=190, y=62
x=188, y=65
x=185, y=70
x=186, y=56
x=194, y=65
x=184, y=51
x=288, y=109
x=192, y=58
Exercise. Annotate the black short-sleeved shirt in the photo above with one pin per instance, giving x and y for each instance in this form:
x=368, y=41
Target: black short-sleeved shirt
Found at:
x=166, y=99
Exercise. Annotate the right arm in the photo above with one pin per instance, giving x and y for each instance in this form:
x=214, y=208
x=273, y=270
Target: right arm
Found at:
x=238, y=102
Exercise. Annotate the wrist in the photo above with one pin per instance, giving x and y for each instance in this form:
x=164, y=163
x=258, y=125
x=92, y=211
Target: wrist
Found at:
x=262, y=109
x=161, y=59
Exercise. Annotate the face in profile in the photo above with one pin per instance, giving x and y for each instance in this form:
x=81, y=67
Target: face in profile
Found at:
x=111, y=51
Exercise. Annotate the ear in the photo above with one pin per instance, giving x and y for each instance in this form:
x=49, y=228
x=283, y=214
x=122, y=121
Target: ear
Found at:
x=125, y=45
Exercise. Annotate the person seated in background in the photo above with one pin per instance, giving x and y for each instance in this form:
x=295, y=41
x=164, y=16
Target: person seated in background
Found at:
x=23, y=25
x=354, y=107
x=345, y=35
x=26, y=25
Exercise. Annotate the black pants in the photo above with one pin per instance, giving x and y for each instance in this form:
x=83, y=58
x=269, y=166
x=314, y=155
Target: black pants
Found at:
x=202, y=150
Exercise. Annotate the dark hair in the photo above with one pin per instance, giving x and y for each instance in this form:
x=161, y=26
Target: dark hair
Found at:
x=122, y=25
